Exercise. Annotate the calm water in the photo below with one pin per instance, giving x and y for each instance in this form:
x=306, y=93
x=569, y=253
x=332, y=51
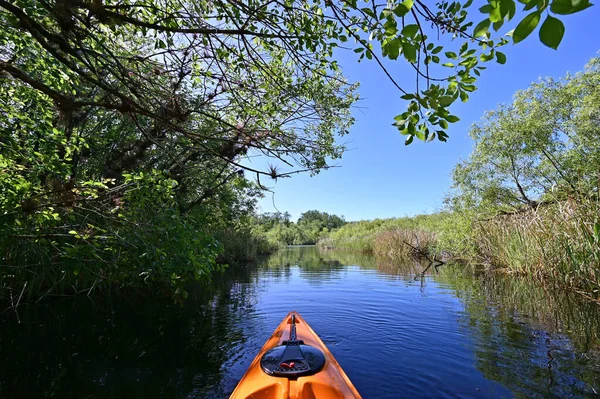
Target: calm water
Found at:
x=397, y=335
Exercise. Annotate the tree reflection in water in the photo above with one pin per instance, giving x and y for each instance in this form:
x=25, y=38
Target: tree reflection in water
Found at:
x=536, y=342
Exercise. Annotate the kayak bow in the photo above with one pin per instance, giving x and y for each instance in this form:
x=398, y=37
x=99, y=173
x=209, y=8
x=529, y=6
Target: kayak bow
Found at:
x=300, y=367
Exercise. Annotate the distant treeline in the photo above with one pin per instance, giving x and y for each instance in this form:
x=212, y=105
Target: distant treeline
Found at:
x=312, y=226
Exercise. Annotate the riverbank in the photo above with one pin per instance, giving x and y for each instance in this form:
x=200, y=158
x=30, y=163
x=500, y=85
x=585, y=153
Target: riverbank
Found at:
x=163, y=261
x=556, y=244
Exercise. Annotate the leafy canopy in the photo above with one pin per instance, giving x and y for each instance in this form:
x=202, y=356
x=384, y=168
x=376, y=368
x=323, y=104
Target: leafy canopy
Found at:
x=262, y=72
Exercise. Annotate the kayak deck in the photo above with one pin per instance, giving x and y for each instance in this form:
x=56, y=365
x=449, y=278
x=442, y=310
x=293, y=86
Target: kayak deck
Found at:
x=329, y=382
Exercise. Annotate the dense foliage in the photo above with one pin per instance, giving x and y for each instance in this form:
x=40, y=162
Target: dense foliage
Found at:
x=128, y=128
x=312, y=225
x=541, y=148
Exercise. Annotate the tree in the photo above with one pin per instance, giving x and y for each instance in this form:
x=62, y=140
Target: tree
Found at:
x=542, y=147
x=127, y=126
x=321, y=219
x=262, y=74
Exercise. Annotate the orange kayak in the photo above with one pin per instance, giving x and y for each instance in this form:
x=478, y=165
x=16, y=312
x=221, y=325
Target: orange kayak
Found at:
x=294, y=364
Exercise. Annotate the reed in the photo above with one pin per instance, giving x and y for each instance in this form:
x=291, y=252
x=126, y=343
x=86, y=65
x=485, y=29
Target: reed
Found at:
x=242, y=245
x=559, y=243
x=405, y=244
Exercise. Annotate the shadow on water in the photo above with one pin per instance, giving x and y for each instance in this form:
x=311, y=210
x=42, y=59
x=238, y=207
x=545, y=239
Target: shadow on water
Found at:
x=127, y=347
x=459, y=333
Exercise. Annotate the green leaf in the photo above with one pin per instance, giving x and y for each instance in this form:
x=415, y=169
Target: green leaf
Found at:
x=526, y=26
x=495, y=14
x=597, y=230
x=410, y=30
x=452, y=118
x=552, y=32
x=512, y=10
x=530, y=4
x=446, y=101
x=369, y=12
x=409, y=140
x=498, y=25
x=407, y=96
x=505, y=7
x=481, y=28
x=564, y=7
x=73, y=232
x=487, y=57
x=443, y=124
x=393, y=49
x=500, y=57
x=390, y=26
x=437, y=50
x=403, y=8
x=410, y=52
x=420, y=135
x=451, y=55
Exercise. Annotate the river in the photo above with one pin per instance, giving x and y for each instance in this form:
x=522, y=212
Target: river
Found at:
x=397, y=334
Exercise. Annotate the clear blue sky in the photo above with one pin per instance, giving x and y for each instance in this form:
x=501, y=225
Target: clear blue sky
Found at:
x=378, y=176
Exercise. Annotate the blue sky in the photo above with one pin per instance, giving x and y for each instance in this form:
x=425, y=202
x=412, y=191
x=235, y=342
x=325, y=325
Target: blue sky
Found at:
x=380, y=177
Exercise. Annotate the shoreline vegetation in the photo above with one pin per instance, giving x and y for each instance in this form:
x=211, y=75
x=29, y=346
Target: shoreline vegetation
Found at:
x=525, y=202
x=553, y=245
x=95, y=200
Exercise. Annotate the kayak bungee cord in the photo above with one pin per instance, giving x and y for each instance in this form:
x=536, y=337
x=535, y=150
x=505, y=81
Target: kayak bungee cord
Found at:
x=300, y=366
x=292, y=359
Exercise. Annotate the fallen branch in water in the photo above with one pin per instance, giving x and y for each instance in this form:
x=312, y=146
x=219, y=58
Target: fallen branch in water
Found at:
x=432, y=262
x=424, y=254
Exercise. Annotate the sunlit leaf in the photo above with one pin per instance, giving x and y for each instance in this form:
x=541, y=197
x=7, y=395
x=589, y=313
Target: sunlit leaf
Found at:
x=481, y=28
x=526, y=26
x=552, y=32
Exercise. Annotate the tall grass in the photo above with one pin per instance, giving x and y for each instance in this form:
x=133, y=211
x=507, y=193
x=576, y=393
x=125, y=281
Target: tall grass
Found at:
x=559, y=243
x=404, y=244
x=356, y=236
x=443, y=234
x=243, y=245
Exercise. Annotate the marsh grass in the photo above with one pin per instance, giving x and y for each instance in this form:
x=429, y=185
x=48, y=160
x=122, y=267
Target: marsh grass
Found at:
x=404, y=244
x=242, y=245
x=558, y=243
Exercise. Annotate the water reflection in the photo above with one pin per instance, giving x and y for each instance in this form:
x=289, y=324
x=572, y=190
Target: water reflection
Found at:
x=449, y=334
x=331, y=262
x=127, y=346
x=537, y=341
